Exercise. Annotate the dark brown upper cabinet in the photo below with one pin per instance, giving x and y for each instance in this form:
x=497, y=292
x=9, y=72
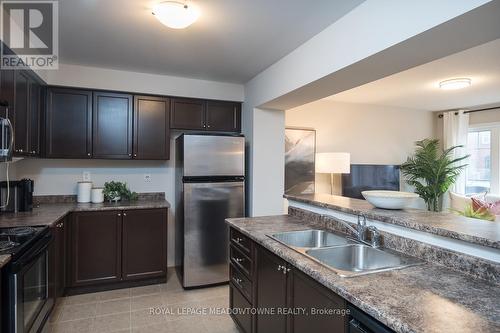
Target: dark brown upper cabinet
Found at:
x=68, y=123
x=144, y=244
x=21, y=115
x=26, y=114
x=188, y=114
x=223, y=116
x=195, y=114
x=112, y=125
x=7, y=91
x=151, y=128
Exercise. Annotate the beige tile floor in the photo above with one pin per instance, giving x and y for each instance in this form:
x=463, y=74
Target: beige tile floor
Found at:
x=129, y=310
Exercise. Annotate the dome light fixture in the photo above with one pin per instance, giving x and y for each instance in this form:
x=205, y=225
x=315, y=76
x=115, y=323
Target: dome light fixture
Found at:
x=454, y=84
x=175, y=14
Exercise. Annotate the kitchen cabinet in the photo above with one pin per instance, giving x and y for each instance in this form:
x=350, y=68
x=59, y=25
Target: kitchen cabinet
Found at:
x=21, y=115
x=68, y=123
x=272, y=284
x=112, y=125
x=109, y=249
x=194, y=114
x=223, y=116
x=27, y=114
x=271, y=279
x=151, y=128
x=95, y=247
x=144, y=243
x=305, y=293
x=60, y=244
x=188, y=114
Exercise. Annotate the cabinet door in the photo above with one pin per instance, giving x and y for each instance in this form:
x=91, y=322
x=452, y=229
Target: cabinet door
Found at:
x=68, y=123
x=34, y=118
x=307, y=294
x=151, y=128
x=112, y=126
x=7, y=91
x=96, y=247
x=271, y=291
x=60, y=257
x=144, y=243
x=21, y=135
x=187, y=114
x=223, y=116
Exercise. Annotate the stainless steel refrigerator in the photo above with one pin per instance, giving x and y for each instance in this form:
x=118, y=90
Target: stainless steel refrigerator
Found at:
x=210, y=187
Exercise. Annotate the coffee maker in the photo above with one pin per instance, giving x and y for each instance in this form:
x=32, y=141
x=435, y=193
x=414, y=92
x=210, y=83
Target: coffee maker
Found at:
x=19, y=194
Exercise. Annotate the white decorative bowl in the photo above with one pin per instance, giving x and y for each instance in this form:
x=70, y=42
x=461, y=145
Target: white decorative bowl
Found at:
x=389, y=199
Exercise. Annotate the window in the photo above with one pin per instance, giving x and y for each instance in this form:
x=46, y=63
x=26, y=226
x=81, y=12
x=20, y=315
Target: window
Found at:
x=483, y=171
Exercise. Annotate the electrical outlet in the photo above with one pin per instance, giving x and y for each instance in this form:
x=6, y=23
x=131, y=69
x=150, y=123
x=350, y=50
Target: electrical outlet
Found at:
x=86, y=176
x=147, y=178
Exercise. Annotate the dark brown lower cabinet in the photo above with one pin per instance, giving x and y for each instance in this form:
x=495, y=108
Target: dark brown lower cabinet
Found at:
x=60, y=257
x=96, y=247
x=324, y=311
x=283, y=299
x=271, y=291
x=108, y=249
x=144, y=244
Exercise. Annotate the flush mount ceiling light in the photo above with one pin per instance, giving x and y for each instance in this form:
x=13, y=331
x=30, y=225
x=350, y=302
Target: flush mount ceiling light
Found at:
x=454, y=84
x=176, y=15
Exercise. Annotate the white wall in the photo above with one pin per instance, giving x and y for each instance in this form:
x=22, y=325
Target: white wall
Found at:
x=372, y=134
x=103, y=78
x=370, y=28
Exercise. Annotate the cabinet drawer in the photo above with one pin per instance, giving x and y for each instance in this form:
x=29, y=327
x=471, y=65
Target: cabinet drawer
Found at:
x=239, y=304
x=241, y=282
x=240, y=260
x=241, y=241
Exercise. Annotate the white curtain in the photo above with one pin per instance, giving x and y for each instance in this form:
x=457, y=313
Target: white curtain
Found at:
x=455, y=128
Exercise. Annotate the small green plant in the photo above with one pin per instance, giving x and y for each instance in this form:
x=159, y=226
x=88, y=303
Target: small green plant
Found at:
x=482, y=213
x=113, y=190
x=432, y=172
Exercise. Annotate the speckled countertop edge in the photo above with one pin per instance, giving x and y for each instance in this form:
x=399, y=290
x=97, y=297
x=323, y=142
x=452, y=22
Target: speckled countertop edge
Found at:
x=444, y=224
x=4, y=259
x=414, y=299
x=51, y=213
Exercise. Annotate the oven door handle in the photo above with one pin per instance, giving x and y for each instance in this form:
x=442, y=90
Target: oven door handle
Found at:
x=28, y=257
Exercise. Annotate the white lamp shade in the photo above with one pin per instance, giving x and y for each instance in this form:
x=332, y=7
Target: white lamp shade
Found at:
x=333, y=163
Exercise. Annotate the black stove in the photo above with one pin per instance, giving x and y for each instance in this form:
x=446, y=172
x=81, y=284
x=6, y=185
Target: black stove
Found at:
x=15, y=241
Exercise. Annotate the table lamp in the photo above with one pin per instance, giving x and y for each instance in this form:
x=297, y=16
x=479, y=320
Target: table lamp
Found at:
x=335, y=164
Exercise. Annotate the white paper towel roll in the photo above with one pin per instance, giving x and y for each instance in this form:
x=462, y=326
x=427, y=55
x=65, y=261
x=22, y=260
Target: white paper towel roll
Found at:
x=83, y=192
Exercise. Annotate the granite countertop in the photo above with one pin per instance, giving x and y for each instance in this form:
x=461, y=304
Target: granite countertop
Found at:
x=51, y=213
x=445, y=224
x=425, y=298
x=4, y=259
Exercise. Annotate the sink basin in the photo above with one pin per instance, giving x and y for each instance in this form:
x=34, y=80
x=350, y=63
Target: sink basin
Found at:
x=310, y=238
x=359, y=259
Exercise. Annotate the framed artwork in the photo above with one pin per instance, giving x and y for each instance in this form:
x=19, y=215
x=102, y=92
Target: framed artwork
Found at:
x=300, y=151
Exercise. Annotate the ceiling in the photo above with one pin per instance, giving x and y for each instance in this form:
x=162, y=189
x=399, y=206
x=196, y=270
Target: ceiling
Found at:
x=233, y=40
x=418, y=87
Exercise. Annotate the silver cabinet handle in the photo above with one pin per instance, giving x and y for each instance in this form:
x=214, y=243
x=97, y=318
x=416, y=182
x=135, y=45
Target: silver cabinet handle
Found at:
x=238, y=260
x=88, y=154
x=124, y=214
x=135, y=155
x=130, y=155
x=119, y=214
x=237, y=281
x=237, y=240
x=280, y=267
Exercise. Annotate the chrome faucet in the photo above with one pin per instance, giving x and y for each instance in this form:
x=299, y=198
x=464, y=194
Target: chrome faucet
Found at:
x=361, y=229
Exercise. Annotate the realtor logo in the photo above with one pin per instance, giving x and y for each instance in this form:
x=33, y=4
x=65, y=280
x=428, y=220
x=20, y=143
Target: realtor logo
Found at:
x=30, y=30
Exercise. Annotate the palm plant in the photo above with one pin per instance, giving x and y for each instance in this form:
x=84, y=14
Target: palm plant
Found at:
x=431, y=172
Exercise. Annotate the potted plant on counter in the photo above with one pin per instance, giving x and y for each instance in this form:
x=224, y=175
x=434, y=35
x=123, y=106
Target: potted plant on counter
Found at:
x=432, y=171
x=116, y=191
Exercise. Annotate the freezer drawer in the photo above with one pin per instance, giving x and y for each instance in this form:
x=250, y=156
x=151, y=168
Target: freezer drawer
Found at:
x=206, y=235
x=210, y=155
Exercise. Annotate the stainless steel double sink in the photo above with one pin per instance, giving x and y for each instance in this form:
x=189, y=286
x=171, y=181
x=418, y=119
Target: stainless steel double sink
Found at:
x=343, y=255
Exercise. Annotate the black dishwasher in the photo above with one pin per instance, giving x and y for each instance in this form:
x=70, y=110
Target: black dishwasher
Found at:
x=359, y=322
